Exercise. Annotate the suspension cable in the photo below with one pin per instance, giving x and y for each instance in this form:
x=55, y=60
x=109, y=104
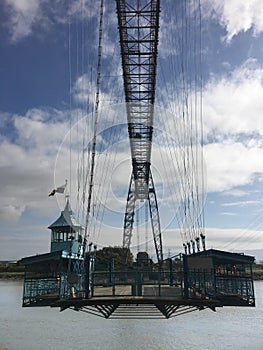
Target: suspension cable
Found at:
x=70, y=99
x=96, y=114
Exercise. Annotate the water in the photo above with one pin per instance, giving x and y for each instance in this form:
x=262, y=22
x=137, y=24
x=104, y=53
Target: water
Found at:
x=46, y=328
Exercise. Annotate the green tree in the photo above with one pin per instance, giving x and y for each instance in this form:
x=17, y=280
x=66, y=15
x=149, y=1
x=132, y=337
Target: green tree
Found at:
x=116, y=253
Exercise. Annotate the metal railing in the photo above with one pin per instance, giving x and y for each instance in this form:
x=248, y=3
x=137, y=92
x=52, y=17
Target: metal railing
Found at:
x=137, y=283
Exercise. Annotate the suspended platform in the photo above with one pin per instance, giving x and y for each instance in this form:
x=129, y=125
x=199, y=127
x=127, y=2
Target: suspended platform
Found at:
x=185, y=283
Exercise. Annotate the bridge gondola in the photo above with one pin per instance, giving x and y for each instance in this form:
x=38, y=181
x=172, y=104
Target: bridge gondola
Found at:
x=69, y=276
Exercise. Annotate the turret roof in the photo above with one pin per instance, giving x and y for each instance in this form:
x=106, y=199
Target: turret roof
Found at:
x=66, y=221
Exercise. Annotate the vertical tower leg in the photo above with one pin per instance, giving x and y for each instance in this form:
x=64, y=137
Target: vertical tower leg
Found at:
x=155, y=220
x=129, y=219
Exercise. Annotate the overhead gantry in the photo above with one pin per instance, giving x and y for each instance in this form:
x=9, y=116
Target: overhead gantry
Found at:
x=138, y=23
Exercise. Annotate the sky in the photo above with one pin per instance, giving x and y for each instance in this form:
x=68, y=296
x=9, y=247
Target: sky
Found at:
x=48, y=83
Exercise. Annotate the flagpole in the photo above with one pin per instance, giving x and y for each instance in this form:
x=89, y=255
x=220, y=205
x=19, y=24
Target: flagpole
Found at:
x=66, y=191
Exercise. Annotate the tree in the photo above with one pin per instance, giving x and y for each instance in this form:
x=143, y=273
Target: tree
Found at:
x=116, y=253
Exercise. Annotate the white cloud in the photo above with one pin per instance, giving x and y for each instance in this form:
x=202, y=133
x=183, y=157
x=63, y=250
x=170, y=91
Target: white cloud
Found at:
x=11, y=212
x=236, y=193
x=234, y=239
x=23, y=15
x=27, y=164
x=38, y=134
x=228, y=213
x=233, y=128
x=234, y=104
x=231, y=164
x=241, y=203
x=235, y=15
x=26, y=17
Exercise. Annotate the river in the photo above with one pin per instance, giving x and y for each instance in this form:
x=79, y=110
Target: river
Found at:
x=46, y=328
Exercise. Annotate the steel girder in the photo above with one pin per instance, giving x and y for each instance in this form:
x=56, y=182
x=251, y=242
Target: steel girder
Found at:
x=138, y=22
x=138, y=28
x=129, y=219
x=155, y=220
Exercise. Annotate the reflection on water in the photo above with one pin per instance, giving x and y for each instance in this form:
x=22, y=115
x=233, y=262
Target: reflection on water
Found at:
x=46, y=328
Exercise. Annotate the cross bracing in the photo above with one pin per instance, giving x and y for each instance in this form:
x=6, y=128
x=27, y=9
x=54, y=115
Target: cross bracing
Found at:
x=138, y=28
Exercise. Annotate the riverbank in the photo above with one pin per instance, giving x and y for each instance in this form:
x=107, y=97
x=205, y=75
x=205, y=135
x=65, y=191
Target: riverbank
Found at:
x=11, y=270
x=258, y=273
x=11, y=275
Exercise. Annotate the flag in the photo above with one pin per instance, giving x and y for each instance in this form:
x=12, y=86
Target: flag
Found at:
x=60, y=189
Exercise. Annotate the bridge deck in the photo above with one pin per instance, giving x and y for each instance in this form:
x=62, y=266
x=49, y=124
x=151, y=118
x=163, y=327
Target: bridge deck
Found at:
x=168, y=293
x=169, y=304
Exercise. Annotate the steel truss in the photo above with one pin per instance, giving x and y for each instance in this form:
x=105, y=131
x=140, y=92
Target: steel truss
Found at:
x=155, y=219
x=138, y=28
x=137, y=308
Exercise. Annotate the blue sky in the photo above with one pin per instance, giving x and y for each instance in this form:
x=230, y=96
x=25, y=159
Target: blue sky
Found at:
x=36, y=114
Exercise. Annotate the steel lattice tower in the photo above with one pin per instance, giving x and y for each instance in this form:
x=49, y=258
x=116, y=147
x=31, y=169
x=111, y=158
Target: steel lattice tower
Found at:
x=138, y=22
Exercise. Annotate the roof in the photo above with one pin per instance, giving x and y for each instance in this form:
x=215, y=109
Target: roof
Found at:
x=48, y=257
x=41, y=258
x=223, y=256
x=66, y=221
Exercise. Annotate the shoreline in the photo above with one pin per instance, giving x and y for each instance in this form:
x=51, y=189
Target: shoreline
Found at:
x=14, y=277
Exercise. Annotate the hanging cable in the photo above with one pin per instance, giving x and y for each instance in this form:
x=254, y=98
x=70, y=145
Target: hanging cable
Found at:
x=184, y=39
x=70, y=101
x=146, y=226
x=96, y=113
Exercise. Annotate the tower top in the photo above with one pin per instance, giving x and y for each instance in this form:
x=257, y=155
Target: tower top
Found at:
x=66, y=222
